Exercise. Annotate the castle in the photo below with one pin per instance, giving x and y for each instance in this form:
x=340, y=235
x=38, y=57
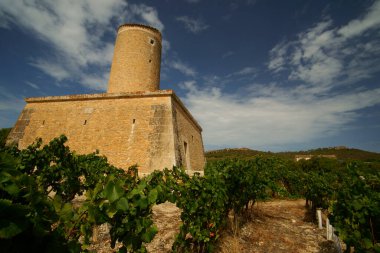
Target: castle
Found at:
x=133, y=123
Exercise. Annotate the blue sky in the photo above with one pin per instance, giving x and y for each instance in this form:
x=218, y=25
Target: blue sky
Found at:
x=268, y=75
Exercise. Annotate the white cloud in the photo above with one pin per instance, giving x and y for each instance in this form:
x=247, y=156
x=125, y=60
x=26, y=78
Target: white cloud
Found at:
x=147, y=14
x=75, y=30
x=358, y=26
x=59, y=72
x=3, y=22
x=271, y=118
x=246, y=71
x=182, y=67
x=193, y=25
x=165, y=46
x=33, y=85
x=278, y=57
x=319, y=62
x=324, y=56
x=95, y=82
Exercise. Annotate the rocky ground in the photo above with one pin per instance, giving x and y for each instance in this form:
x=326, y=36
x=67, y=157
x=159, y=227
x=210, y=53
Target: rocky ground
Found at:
x=275, y=226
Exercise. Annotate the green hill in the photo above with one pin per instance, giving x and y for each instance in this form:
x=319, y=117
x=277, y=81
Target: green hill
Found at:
x=341, y=153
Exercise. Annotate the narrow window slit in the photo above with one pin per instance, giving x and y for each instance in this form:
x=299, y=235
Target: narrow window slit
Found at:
x=85, y=122
x=133, y=121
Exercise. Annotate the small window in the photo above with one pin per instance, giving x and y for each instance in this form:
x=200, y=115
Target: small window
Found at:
x=192, y=138
x=152, y=41
x=133, y=121
x=43, y=122
x=150, y=60
x=85, y=122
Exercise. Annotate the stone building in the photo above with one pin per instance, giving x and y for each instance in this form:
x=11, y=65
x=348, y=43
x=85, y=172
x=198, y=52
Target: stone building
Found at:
x=308, y=157
x=133, y=123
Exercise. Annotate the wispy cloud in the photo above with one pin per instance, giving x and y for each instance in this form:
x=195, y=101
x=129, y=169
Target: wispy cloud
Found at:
x=314, y=100
x=10, y=102
x=74, y=30
x=245, y=71
x=269, y=117
x=146, y=14
x=356, y=27
x=57, y=71
x=33, y=85
x=10, y=106
x=243, y=76
x=193, y=25
x=228, y=54
x=182, y=67
x=324, y=56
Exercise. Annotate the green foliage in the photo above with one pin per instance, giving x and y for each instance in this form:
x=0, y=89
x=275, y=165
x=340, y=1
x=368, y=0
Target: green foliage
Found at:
x=228, y=185
x=203, y=201
x=320, y=180
x=37, y=189
x=351, y=193
x=3, y=136
x=356, y=211
x=39, y=210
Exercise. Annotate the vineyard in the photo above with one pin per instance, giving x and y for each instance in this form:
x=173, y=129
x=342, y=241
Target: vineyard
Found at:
x=39, y=186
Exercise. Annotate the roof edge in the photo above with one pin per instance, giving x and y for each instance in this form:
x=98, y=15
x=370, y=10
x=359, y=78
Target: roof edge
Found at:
x=146, y=27
x=99, y=96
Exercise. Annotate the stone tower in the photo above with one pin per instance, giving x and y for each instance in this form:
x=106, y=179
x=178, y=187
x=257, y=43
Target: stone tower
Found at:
x=136, y=60
x=133, y=123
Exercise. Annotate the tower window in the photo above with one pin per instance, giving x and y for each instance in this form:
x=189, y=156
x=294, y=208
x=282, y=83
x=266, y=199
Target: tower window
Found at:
x=85, y=122
x=43, y=122
x=152, y=41
x=150, y=60
x=133, y=121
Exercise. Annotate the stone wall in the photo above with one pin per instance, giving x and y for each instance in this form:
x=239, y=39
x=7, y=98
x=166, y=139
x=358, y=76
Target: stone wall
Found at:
x=148, y=129
x=128, y=130
x=188, y=138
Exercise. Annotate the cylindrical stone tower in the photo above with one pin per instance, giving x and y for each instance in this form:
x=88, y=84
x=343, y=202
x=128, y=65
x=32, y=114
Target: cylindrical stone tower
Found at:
x=136, y=60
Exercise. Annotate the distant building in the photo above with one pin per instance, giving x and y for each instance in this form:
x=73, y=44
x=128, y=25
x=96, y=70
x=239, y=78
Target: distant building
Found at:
x=308, y=157
x=134, y=122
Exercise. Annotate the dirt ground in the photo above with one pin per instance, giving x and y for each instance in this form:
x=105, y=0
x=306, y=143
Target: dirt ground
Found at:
x=275, y=226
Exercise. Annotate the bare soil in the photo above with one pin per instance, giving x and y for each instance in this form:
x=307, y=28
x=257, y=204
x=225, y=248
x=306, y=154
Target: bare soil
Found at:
x=277, y=226
x=274, y=226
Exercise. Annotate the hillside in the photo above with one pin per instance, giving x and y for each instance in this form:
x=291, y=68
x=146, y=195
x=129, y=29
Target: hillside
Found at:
x=342, y=153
